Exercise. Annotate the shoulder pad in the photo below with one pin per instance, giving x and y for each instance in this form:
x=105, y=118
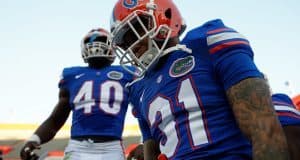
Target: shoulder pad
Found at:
x=67, y=74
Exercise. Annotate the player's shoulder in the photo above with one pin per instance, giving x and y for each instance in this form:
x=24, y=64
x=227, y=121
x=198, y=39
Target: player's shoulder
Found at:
x=137, y=83
x=69, y=73
x=217, y=37
x=285, y=109
x=283, y=104
x=74, y=70
x=119, y=68
x=114, y=70
x=205, y=29
x=282, y=99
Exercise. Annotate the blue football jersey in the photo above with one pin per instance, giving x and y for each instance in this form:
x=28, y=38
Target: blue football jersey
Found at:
x=285, y=109
x=98, y=98
x=184, y=97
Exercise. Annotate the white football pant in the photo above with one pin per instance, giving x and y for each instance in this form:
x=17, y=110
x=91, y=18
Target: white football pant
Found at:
x=88, y=150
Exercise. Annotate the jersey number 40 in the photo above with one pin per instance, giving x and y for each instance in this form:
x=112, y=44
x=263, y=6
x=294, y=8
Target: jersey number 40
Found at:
x=111, y=97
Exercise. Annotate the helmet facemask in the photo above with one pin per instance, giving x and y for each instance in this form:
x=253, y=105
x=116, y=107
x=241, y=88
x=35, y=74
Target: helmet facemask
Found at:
x=96, y=45
x=132, y=34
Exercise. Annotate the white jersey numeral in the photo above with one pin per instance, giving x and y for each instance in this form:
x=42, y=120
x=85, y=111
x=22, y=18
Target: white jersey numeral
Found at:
x=111, y=97
x=162, y=107
x=83, y=99
x=187, y=96
x=107, y=89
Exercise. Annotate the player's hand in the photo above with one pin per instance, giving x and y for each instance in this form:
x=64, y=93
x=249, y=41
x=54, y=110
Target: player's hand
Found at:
x=137, y=153
x=27, y=152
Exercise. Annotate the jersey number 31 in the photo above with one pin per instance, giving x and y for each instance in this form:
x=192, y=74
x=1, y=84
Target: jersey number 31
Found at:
x=186, y=97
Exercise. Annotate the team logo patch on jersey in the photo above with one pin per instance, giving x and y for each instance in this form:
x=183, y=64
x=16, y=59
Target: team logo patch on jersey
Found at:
x=115, y=75
x=182, y=66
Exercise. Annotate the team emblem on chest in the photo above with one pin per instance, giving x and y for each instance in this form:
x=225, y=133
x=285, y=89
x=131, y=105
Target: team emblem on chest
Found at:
x=115, y=75
x=182, y=66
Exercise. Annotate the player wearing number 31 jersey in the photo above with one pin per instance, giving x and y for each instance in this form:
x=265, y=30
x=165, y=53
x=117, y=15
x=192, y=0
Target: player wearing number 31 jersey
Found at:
x=201, y=98
x=97, y=96
x=184, y=102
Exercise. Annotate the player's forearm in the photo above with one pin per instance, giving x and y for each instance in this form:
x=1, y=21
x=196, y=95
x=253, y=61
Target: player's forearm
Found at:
x=251, y=105
x=269, y=143
x=56, y=120
x=52, y=125
x=47, y=130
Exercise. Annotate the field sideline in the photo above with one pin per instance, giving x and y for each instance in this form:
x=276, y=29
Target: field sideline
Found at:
x=14, y=134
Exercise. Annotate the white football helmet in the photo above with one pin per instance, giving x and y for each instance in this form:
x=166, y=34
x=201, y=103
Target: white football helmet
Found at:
x=97, y=44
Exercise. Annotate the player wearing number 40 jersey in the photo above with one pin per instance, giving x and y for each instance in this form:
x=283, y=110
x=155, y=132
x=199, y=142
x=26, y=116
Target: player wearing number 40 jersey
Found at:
x=201, y=98
x=97, y=97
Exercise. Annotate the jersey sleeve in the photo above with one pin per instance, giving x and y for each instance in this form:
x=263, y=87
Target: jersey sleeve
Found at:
x=143, y=125
x=287, y=115
x=231, y=54
x=145, y=130
x=66, y=76
x=63, y=82
x=285, y=109
x=136, y=92
x=282, y=99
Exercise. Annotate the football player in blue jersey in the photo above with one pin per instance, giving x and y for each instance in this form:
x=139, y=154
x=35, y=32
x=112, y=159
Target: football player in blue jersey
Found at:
x=289, y=117
x=98, y=99
x=203, y=97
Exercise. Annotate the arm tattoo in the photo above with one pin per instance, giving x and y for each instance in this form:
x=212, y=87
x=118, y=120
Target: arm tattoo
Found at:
x=252, y=107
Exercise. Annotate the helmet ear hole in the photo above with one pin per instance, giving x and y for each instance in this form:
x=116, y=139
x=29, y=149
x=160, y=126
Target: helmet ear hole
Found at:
x=168, y=13
x=182, y=29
